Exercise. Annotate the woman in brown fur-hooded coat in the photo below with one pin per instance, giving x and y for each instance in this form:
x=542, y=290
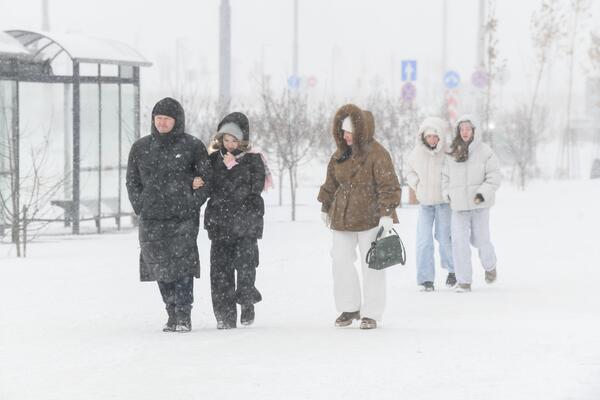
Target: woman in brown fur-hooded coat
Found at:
x=359, y=196
x=361, y=184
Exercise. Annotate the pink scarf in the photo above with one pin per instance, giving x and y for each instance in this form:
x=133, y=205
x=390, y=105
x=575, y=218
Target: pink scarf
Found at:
x=268, y=176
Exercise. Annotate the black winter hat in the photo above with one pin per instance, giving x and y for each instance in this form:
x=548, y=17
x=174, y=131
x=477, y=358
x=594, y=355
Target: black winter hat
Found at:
x=240, y=120
x=167, y=106
x=171, y=108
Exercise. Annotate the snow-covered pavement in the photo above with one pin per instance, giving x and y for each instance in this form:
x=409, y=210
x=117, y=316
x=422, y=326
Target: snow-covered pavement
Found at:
x=76, y=323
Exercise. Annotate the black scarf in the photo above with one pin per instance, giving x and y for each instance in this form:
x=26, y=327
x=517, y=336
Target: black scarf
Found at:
x=235, y=152
x=345, y=155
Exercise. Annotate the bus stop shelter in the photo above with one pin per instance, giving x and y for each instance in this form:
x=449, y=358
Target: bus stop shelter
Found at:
x=77, y=63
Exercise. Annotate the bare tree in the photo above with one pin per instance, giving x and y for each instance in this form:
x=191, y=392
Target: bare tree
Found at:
x=520, y=139
x=594, y=55
x=265, y=140
x=202, y=116
x=291, y=130
x=547, y=28
x=396, y=124
x=522, y=127
x=493, y=65
x=25, y=193
x=322, y=120
x=203, y=111
x=578, y=14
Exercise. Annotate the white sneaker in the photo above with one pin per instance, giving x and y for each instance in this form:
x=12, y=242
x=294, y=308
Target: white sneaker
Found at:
x=491, y=275
x=463, y=288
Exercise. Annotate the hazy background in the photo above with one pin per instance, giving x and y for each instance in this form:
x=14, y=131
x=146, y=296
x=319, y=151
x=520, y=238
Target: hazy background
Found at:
x=349, y=46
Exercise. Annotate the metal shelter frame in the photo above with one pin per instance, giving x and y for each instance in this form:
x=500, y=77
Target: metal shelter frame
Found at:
x=33, y=63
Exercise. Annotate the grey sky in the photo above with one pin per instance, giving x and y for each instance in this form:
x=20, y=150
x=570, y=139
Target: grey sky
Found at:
x=361, y=42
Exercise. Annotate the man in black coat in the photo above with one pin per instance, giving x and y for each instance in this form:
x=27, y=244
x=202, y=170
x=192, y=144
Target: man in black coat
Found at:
x=160, y=172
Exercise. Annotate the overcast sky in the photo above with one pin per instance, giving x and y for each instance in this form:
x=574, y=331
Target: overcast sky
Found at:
x=360, y=43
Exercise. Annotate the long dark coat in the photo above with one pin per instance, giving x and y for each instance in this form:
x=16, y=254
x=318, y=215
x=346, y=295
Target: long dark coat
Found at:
x=235, y=208
x=160, y=172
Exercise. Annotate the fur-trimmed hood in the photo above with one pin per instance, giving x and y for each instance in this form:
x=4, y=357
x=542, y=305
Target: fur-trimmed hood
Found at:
x=459, y=150
x=465, y=118
x=439, y=126
x=242, y=122
x=360, y=187
x=364, y=129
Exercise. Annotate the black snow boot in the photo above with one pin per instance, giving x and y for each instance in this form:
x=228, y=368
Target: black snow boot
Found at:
x=451, y=280
x=184, y=321
x=171, y=322
x=346, y=318
x=247, y=317
x=225, y=325
x=427, y=286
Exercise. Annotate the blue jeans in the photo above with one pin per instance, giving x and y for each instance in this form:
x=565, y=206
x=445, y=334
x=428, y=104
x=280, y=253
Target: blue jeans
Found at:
x=437, y=216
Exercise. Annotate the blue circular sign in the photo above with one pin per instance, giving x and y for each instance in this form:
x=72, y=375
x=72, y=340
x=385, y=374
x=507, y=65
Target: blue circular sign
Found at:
x=451, y=79
x=294, y=82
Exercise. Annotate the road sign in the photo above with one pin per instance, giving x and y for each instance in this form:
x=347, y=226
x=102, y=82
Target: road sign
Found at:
x=294, y=82
x=451, y=79
x=409, y=92
x=301, y=82
x=409, y=70
x=479, y=79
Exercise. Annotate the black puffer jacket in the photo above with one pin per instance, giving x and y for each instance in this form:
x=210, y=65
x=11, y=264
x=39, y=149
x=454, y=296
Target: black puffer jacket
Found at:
x=235, y=208
x=160, y=172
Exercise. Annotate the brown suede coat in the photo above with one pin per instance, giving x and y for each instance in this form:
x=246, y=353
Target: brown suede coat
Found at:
x=363, y=188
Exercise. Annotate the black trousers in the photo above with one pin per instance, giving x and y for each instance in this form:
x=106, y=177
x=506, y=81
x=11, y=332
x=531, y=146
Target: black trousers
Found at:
x=227, y=257
x=179, y=294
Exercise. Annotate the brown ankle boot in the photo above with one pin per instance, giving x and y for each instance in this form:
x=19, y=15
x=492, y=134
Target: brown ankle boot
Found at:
x=346, y=318
x=368, y=323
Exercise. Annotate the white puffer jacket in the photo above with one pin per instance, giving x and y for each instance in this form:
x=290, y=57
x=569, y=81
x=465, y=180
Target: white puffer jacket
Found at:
x=461, y=181
x=424, y=174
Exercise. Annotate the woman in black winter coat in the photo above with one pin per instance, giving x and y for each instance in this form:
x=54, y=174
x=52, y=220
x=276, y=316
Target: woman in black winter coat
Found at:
x=234, y=221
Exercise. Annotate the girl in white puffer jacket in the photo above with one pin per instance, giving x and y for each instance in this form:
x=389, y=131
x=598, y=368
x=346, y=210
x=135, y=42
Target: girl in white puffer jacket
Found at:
x=470, y=178
x=424, y=176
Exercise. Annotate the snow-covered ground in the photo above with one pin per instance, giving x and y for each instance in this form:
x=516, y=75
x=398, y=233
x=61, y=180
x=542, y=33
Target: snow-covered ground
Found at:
x=75, y=322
